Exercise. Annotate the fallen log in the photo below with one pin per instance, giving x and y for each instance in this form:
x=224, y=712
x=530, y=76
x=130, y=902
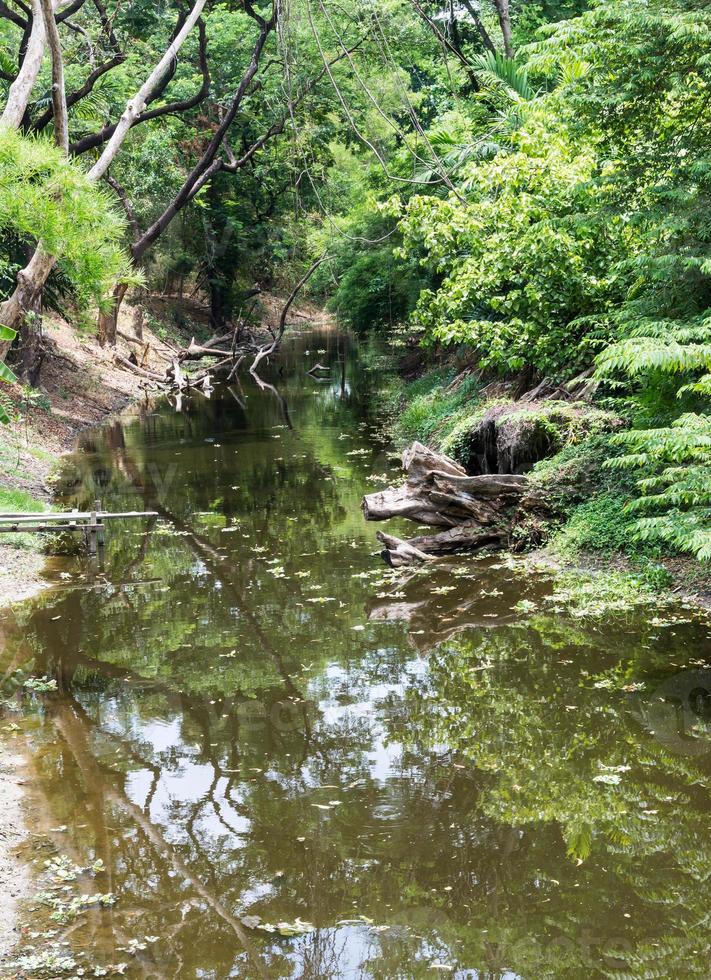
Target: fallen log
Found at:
x=476, y=511
x=398, y=553
x=141, y=372
x=438, y=491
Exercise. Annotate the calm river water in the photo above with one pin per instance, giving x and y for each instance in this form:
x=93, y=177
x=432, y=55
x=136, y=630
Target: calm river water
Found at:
x=259, y=731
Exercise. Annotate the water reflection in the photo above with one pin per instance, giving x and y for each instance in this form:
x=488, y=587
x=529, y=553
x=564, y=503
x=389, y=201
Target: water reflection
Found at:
x=254, y=719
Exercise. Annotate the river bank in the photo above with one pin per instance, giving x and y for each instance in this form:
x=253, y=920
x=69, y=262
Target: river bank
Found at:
x=14, y=873
x=80, y=386
x=559, y=442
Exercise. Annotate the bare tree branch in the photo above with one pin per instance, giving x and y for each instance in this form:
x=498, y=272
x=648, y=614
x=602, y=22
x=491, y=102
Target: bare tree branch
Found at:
x=10, y=15
x=70, y=9
x=209, y=163
x=39, y=124
x=270, y=348
x=479, y=24
x=94, y=140
x=136, y=105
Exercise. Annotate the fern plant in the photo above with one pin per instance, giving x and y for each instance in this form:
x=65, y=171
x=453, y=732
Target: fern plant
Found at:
x=675, y=505
x=6, y=375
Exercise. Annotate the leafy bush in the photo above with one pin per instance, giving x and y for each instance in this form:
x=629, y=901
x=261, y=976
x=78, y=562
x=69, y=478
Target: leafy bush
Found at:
x=528, y=261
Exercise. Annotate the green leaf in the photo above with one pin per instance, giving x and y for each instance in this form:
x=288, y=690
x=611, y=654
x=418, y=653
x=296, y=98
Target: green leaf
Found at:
x=6, y=374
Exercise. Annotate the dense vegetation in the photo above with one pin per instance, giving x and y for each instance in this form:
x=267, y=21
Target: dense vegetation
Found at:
x=520, y=189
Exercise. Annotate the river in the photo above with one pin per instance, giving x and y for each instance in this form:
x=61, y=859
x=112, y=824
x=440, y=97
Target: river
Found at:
x=293, y=763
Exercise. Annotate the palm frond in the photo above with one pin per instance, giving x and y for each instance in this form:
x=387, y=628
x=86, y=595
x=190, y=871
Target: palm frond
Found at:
x=496, y=70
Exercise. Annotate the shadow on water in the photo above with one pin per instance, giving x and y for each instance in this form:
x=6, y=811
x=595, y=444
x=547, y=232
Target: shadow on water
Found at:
x=253, y=718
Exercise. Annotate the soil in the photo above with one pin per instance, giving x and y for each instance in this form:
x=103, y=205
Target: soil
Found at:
x=80, y=385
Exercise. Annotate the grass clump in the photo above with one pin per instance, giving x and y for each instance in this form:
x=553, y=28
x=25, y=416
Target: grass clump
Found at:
x=434, y=408
x=16, y=501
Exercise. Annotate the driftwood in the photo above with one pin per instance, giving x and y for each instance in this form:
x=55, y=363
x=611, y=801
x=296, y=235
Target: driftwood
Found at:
x=227, y=362
x=318, y=367
x=476, y=511
x=268, y=349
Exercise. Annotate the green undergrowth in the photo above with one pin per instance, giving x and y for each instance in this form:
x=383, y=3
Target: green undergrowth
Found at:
x=433, y=406
x=12, y=501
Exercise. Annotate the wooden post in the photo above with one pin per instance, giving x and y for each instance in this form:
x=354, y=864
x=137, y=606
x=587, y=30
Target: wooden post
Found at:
x=100, y=528
x=92, y=532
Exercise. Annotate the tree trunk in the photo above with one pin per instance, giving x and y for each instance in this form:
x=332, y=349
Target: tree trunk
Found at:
x=108, y=320
x=30, y=282
x=21, y=89
x=483, y=33
x=504, y=15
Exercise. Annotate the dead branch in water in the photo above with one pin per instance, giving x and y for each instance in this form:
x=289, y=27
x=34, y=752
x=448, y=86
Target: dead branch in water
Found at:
x=228, y=349
x=268, y=349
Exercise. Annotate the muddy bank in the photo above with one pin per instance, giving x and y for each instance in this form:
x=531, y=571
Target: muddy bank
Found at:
x=81, y=385
x=14, y=874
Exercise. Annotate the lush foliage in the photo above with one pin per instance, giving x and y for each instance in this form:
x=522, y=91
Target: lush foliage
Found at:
x=575, y=234
x=43, y=195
